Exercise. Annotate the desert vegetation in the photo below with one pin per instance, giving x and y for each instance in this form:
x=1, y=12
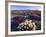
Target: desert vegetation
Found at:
x=22, y=20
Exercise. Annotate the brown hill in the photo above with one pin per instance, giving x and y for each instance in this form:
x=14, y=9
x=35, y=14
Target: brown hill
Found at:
x=26, y=12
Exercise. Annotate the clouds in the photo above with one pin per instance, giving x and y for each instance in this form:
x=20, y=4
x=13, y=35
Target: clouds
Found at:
x=14, y=7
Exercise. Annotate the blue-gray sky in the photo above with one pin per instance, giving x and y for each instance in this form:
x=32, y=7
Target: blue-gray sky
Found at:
x=14, y=7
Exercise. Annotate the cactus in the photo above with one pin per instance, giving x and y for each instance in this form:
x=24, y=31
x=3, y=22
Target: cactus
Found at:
x=27, y=25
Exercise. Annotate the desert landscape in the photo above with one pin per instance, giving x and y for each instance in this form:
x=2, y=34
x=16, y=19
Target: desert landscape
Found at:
x=22, y=20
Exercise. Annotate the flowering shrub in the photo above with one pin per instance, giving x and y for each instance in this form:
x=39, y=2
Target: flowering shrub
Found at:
x=27, y=25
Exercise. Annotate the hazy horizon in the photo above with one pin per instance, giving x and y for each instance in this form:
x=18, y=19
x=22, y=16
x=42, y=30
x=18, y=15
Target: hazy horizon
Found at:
x=14, y=7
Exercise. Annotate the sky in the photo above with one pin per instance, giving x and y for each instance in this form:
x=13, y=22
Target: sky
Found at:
x=14, y=7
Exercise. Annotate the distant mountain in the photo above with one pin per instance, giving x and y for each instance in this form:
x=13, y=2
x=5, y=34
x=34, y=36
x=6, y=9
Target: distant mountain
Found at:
x=25, y=12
